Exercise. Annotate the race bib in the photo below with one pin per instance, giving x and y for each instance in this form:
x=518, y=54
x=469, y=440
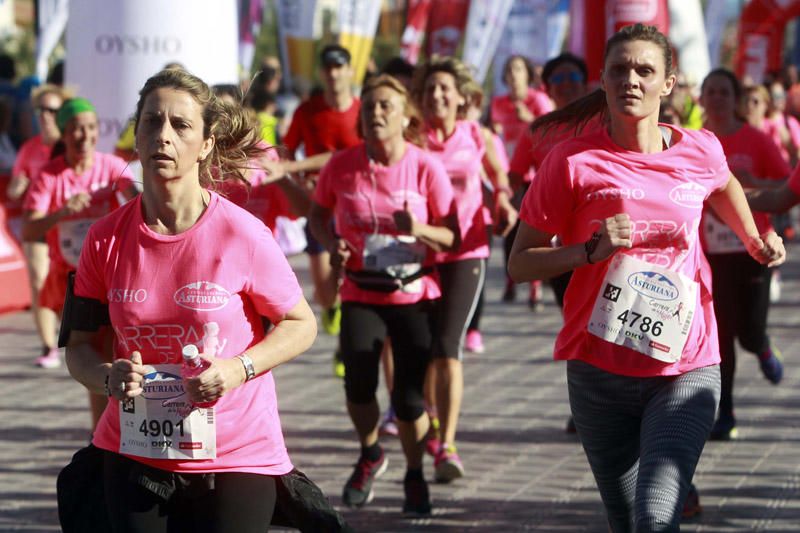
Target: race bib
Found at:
x=161, y=423
x=644, y=307
x=719, y=237
x=399, y=256
x=71, y=234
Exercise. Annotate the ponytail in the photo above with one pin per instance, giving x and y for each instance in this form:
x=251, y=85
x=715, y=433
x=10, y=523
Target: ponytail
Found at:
x=575, y=114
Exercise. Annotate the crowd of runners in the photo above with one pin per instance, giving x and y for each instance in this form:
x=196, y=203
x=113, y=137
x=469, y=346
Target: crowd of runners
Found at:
x=643, y=201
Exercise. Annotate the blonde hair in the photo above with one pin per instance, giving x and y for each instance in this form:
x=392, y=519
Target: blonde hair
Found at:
x=236, y=139
x=447, y=64
x=49, y=88
x=411, y=133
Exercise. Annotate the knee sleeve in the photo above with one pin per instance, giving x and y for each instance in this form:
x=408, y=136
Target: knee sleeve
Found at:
x=408, y=403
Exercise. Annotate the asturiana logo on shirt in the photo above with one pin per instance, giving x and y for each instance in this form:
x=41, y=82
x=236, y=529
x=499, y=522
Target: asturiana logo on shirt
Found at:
x=162, y=386
x=202, y=296
x=688, y=195
x=653, y=285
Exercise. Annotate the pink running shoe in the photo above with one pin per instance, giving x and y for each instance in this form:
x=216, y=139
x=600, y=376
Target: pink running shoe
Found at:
x=388, y=424
x=49, y=359
x=433, y=443
x=474, y=342
x=447, y=464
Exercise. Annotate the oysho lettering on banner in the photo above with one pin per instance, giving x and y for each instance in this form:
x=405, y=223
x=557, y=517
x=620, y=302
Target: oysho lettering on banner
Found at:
x=109, y=62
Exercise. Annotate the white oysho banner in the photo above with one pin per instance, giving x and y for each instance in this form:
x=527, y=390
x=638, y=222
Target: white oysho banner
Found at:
x=113, y=47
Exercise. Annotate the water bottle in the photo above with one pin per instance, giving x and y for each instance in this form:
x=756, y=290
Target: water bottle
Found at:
x=194, y=365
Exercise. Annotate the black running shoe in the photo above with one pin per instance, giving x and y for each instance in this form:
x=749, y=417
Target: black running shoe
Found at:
x=418, y=501
x=358, y=489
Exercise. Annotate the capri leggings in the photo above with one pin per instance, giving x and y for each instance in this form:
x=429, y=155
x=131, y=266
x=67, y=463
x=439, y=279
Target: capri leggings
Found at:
x=643, y=438
x=741, y=303
x=364, y=328
x=461, y=283
x=236, y=501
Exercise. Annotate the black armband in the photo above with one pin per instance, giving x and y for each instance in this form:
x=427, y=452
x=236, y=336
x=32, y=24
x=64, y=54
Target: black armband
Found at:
x=82, y=314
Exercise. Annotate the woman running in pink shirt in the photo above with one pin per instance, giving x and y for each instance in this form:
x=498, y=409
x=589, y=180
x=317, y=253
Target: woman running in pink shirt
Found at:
x=441, y=87
x=741, y=284
x=32, y=156
x=639, y=332
x=178, y=266
x=393, y=206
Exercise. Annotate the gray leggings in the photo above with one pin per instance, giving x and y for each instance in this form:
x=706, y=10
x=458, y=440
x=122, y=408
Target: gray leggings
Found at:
x=643, y=438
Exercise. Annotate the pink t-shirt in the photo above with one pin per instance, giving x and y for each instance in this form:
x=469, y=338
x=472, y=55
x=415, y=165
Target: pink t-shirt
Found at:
x=533, y=148
x=773, y=126
x=152, y=283
x=32, y=156
x=363, y=197
x=57, y=183
x=504, y=112
x=590, y=178
x=752, y=151
x=462, y=156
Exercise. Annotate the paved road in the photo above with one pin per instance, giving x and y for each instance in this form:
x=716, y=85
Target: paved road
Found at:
x=524, y=472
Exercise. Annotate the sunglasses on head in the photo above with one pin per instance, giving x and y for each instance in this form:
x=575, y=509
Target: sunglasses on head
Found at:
x=43, y=109
x=561, y=77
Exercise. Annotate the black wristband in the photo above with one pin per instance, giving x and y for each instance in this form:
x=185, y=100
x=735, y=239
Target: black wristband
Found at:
x=590, y=246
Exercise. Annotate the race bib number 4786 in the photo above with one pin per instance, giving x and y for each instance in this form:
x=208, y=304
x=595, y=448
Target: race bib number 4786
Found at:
x=644, y=307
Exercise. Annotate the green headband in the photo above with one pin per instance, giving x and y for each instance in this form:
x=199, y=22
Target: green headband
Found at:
x=70, y=108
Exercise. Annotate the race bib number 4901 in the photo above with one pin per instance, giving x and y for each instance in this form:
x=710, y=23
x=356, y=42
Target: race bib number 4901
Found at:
x=644, y=307
x=161, y=423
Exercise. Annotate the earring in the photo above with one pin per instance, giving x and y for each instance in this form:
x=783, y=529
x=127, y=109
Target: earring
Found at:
x=406, y=122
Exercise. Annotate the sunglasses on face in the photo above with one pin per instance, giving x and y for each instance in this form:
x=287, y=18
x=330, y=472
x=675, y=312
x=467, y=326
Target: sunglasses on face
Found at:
x=561, y=77
x=42, y=110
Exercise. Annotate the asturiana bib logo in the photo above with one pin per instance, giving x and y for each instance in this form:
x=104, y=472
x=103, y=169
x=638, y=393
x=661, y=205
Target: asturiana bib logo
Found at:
x=162, y=386
x=688, y=195
x=653, y=285
x=202, y=296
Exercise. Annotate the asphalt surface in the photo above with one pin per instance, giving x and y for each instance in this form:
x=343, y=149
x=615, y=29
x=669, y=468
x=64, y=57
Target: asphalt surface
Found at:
x=523, y=471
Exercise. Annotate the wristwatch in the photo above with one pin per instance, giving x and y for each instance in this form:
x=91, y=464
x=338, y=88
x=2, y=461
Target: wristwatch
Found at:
x=247, y=363
x=591, y=245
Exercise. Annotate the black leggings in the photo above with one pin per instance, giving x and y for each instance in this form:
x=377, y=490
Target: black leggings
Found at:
x=741, y=303
x=234, y=502
x=461, y=283
x=364, y=328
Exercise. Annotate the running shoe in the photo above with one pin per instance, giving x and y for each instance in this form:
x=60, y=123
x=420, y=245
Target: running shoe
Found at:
x=50, y=358
x=771, y=363
x=724, y=428
x=338, y=364
x=510, y=294
x=433, y=442
x=474, y=342
x=332, y=320
x=571, y=429
x=775, y=287
x=388, y=424
x=535, y=299
x=418, y=500
x=448, y=464
x=358, y=489
x=692, y=507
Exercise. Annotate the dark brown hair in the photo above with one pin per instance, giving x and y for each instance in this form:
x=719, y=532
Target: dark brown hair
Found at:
x=236, y=139
x=581, y=111
x=527, y=63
